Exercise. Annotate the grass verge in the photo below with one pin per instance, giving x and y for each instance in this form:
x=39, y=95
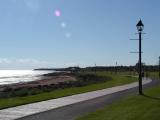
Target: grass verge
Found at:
x=154, y=75
x=135, y=107
x=117, y=79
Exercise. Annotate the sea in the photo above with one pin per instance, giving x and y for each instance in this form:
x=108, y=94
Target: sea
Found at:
x=19, y=76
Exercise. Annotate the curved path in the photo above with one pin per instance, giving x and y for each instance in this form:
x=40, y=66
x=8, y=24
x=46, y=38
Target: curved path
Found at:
x=68, y=108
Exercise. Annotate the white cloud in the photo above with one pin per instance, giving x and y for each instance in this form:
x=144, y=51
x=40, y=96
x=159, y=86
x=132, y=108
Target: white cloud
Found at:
x=4, y=60
x=24, y=63
x=29, y=61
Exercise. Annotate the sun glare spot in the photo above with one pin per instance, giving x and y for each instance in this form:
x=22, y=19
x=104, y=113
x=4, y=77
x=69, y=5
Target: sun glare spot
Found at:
x=68, y=35
x=57, y=13
x=63, y=25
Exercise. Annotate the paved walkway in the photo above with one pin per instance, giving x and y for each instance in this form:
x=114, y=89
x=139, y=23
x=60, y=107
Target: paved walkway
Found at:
x=34, y=108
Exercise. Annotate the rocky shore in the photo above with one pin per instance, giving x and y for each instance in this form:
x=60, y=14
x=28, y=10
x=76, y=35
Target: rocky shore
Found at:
x=51, y=81
x=44, y=80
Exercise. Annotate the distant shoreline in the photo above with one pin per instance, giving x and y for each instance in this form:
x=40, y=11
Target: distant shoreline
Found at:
x=50, y=69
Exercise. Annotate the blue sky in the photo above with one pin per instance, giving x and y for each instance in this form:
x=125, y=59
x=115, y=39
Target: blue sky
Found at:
x=88, y=32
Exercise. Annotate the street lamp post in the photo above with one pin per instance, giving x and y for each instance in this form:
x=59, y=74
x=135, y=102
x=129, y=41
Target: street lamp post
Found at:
x=159, y=66
x=140, y=27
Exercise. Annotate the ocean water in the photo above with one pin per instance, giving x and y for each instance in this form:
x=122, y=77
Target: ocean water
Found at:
x=17, y=76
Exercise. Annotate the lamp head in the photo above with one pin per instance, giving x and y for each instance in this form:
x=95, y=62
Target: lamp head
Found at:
x=140, y=26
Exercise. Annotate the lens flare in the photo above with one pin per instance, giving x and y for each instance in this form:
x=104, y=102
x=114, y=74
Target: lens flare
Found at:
x=63, y=25
x=68, y=35
x=57, y=13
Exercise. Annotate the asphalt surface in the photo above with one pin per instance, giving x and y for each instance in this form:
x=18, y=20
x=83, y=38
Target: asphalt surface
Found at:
x=71, y=112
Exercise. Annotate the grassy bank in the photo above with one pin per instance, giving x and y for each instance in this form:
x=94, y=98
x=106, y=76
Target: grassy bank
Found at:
x=117, y=79
x=154, y=75
x=131, y=108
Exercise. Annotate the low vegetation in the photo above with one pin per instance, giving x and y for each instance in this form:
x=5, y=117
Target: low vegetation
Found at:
x=154, y=75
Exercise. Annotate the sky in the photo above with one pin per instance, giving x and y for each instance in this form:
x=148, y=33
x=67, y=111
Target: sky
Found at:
x=62, y=33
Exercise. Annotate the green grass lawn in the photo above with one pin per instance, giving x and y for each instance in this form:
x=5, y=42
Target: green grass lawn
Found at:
x=131, y=108
x=154, y=75
x=118, y=79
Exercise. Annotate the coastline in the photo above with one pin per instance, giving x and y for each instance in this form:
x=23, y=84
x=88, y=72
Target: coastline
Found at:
x=43, y=81
x=50, y=82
